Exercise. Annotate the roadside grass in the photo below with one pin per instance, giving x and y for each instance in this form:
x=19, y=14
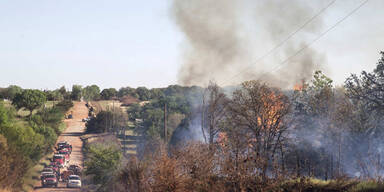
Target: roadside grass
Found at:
x=62, y=127
x=32, y=176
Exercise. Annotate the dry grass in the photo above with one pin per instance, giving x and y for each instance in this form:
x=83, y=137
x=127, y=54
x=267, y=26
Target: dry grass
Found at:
x=105, y=105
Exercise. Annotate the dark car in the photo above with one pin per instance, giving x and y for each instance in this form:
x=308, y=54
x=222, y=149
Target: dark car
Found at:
x=75, y=168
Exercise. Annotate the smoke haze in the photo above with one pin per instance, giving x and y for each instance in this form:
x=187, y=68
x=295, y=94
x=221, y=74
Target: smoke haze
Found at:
x=224, y=37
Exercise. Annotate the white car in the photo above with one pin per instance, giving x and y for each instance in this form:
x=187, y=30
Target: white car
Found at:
x=74, y=181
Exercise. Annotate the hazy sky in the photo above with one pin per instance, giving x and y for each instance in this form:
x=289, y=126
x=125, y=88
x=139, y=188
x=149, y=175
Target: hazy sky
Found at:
x=115, y=43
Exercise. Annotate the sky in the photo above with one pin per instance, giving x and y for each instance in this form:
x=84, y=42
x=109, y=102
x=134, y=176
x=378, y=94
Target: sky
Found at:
x=45, y=44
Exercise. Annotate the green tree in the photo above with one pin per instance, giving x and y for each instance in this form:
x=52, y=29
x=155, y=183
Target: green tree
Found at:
x=107, y=94
x=144, y=93
x=76, y=92
x=29, y=99
x=102, y=162
x=127, y=91
x=91, y=93
x=11, y=91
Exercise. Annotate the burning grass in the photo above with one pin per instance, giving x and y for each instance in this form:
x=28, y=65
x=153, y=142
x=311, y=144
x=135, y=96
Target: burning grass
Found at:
x=203, y=167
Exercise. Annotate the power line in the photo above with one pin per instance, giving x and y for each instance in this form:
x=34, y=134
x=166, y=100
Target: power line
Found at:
x=316, y=39
x=285, y=40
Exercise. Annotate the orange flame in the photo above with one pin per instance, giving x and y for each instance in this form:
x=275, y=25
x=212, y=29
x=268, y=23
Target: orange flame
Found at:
x=298, y=87
x=222, y=138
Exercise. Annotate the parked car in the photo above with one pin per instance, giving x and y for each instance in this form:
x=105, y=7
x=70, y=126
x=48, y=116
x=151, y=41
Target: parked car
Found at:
x=59, y=159
x=74, y=181
x=67, y=147
x=65, y=153
x=49, y=180
x=47, y=170
x=54, y=166
x=61, y=144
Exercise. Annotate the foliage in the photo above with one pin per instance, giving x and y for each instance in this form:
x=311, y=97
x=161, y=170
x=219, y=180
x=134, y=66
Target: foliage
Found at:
x=76, y=92
x=108, y=94
x=369, y=87
x=127, y=91
x=24, y=143
x=10, y=92
x=102, y=161
x=106, y=121
x=144, y=93
x=29, y=99
x=55, y=95
x=91, y=93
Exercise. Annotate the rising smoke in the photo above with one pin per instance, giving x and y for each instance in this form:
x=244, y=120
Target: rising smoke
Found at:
x=225, y=37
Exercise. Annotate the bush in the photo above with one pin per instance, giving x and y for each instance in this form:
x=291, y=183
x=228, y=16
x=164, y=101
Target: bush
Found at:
x=65, y=105
x=100, y=123
x=102, y=162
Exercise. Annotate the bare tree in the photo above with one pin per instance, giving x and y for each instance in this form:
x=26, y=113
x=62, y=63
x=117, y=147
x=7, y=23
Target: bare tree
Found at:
x=213, y=111
x=261, y=110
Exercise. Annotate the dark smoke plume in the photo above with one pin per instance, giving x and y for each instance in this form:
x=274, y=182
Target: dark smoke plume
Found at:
x=224, y=37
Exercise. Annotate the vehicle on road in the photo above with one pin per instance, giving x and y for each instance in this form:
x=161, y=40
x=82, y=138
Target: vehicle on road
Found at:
x=61, y=144
x=47, y=170
x=59, y=159
x=75, y=168
x=54, y=166
x=65, y=153
x=74, y=181
x=67, y=147
x=49, y=180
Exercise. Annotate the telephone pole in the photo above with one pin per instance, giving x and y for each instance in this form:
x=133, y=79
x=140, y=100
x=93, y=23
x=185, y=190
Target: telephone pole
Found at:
x=165, y=122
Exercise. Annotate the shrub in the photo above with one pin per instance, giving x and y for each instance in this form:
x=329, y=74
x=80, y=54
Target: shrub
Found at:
x=102, y=161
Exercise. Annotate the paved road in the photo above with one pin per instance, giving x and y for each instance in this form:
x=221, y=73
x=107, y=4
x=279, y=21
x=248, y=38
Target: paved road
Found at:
x=75, y=128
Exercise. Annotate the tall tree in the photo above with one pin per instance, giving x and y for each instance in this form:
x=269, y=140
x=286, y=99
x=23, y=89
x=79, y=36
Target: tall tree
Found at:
x=76, y=92
x=107, y=94
x=91, y=93
x=29, y=99
x=11, y=91
x=144, y=93
x=261, y=111
x=214, y=110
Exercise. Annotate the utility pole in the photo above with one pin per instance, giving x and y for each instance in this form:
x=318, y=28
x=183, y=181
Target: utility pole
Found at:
x=165, y=122
x=113, y=116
